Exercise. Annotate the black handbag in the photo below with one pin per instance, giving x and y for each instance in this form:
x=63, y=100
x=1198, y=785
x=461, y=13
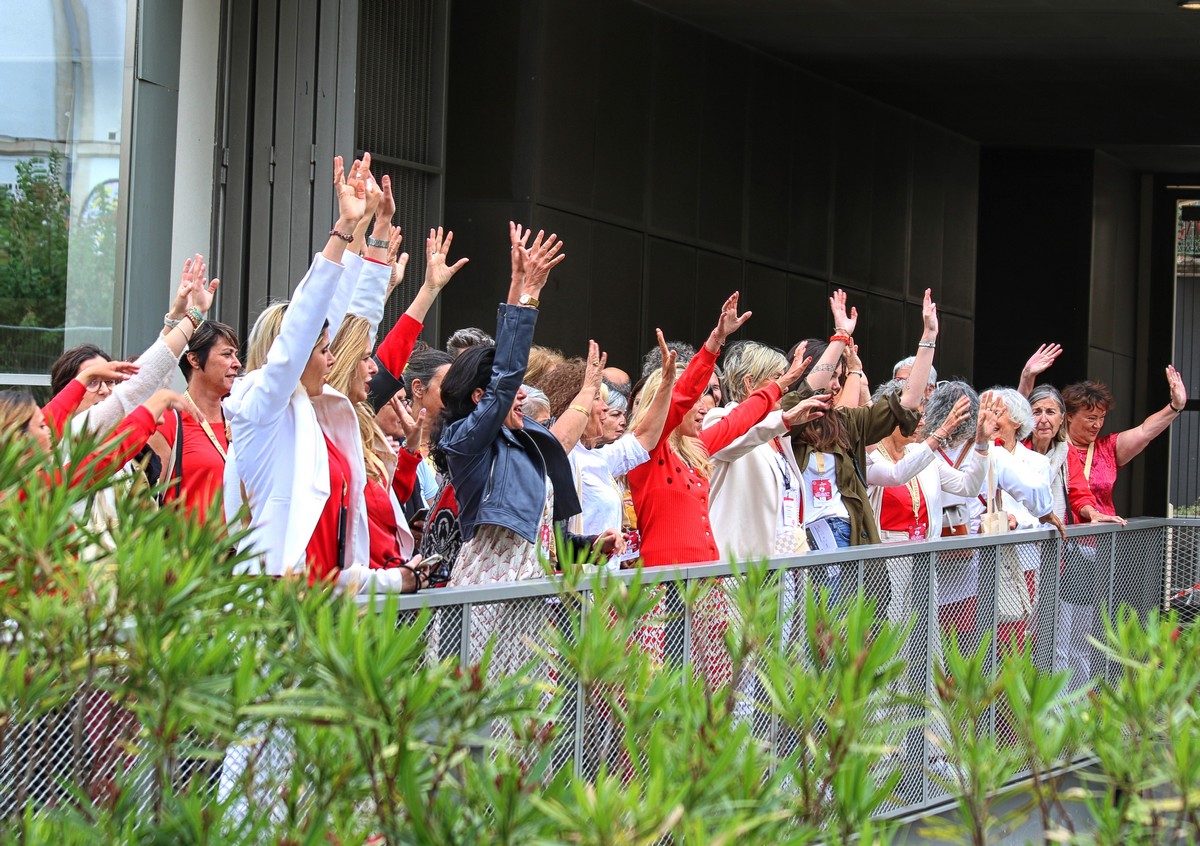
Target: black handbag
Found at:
x=1079, y=581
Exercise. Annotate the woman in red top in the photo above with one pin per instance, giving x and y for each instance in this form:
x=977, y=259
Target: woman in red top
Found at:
x=210, y=366
x=670, y=491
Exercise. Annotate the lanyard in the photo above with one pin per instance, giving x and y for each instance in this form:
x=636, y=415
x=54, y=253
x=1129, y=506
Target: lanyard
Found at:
x=820, y=457
x=1087, y=465
x=208, y=429
x=783, y=468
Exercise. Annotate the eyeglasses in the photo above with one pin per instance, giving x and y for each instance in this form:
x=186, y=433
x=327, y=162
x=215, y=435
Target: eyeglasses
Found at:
x=95, y=385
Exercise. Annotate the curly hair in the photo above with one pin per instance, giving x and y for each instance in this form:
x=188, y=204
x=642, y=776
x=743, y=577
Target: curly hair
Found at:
x=563, y=384
x=940, y=403
x=1089, y=396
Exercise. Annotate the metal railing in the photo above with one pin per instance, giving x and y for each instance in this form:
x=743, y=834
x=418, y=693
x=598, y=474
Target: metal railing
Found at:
x=965, y=585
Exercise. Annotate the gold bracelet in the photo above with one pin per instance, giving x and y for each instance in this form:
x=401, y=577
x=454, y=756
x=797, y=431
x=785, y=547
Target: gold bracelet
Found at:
x=576, y=407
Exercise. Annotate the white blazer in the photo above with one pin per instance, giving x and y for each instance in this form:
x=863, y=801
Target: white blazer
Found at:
x=746, y=487
x=934, y=475
x=278, y=452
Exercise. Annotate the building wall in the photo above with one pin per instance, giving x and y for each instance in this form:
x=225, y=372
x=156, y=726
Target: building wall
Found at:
x=678, y=167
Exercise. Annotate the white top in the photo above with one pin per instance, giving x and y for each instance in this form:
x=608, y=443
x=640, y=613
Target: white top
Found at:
x=595, y=472
x=1025, y=479
x=939, y=480
x=278, y=453
x=820, y=475
x=746, y=488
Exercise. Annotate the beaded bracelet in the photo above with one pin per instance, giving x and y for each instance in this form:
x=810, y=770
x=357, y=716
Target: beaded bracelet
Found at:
x=333, y=233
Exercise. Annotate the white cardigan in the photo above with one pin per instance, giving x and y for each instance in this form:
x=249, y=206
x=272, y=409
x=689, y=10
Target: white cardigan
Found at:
x=746, y=487
x=278, y=450
x=934, y=476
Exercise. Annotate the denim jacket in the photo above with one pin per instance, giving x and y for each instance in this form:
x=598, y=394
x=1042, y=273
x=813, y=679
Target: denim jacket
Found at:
x=499, y=474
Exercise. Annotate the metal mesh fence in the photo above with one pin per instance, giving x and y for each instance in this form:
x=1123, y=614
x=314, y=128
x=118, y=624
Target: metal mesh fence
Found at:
x=1032, y=590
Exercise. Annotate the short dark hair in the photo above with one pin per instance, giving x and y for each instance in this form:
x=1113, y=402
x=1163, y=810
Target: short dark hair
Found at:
x=202, y=342
x=66, y=366
x=1087, y=395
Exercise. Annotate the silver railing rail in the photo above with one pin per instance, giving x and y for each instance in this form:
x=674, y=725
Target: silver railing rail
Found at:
x=964, y=585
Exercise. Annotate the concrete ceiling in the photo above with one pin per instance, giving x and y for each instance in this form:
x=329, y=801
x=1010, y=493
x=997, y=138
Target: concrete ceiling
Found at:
x=1117, y=74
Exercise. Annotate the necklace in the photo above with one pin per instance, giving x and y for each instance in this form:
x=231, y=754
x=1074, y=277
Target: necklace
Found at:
x=208, y=429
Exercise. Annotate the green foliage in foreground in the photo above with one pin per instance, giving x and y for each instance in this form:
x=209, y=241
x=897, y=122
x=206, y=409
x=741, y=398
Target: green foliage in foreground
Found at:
x=129, y=683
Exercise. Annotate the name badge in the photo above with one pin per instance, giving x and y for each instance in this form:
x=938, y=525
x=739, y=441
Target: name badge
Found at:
x=916, y=532
x=791, y=510
x=822, y=490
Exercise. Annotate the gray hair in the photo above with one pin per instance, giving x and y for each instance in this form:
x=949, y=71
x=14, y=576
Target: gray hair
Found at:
x=1018, y=409
x=464, y=339
x=909, y=362
x=616, y=400
x=534, y=398
x=749, y=358
x=941, y=402
x=1042, y=392
x=652, y=360
x=887, y=389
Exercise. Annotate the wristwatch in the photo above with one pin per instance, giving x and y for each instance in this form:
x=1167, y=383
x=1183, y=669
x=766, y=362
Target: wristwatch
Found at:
x=528, y=301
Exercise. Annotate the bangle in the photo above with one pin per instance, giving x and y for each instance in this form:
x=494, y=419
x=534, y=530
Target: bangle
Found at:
x=857, y=373
x=984, y=448
x=379, y=243
x=194, y=315
x=170, y=322
x=838, y=336
x=576, y=407
x=1171, y=406
x=333, y=233
x=927, y=345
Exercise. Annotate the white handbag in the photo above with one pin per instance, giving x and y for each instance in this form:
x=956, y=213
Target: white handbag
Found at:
x=1012, y=594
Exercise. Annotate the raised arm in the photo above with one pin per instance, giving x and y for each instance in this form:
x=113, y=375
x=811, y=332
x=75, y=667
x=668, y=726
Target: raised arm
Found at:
x=514, y=336
x=855, y=390
x=650, y=428
x=269, y=394
x=843, y=329
x=59, y=410
x=914, y=388
x=1131, y=442
x=569, y=428
x=1038, y=364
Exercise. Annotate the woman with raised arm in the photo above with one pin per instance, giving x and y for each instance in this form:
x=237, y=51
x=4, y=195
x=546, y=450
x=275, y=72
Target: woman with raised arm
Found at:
x=297, y=454
x=1088, y=403
x=511, y=478
x=198, y=436
x=756, y=498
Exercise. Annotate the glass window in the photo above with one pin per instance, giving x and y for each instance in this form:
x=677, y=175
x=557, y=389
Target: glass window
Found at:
x=60, y=148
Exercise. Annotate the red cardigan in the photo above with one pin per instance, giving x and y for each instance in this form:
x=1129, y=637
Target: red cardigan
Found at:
x=670, y=498
x=59, y=410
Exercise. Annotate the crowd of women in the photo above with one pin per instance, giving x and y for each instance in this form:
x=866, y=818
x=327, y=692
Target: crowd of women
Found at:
x=390, y=467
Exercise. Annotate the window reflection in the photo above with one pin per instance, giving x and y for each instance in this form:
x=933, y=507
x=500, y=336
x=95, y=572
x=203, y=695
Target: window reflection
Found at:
x=60, y=146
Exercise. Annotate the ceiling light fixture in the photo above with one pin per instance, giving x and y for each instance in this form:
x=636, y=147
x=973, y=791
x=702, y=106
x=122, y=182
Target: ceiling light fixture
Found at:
x=1188, y=4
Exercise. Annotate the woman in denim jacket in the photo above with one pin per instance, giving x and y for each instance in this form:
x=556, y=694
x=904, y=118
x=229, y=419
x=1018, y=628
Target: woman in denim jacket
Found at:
x=510, y=475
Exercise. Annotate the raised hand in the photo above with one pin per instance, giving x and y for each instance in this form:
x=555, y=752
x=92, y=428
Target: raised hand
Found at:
x=1178, y=389
x=108, y=371
x=800, y=362
x=842, y=322
x=540, y=258
x=730, y=321
x=1041, y=360
x=202, y=291
x=351, y=190
x=669, y=360
x=414, y=429
x=594, y=372
x=850, y=354
x=806, y=410
x=929, y=315
x=958, y=413
x=180, y=303
x=437, y=249
x=387, y=202
x=988, y=422
x=396, y=259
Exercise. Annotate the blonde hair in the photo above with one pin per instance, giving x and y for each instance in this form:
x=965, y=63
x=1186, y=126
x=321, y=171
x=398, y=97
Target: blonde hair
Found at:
x=749, y=358
x=351, y=345
x=690, y=450
x=16, y=410
x=265, y=331
x=542, y=360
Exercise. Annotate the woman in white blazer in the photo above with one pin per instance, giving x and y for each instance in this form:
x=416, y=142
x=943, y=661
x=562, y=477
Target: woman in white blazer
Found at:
x=755, y=497
x=908, y=467
x=282, y=415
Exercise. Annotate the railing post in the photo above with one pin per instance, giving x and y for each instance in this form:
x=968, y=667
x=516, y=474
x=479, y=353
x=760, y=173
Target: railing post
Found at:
x=580, y=715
